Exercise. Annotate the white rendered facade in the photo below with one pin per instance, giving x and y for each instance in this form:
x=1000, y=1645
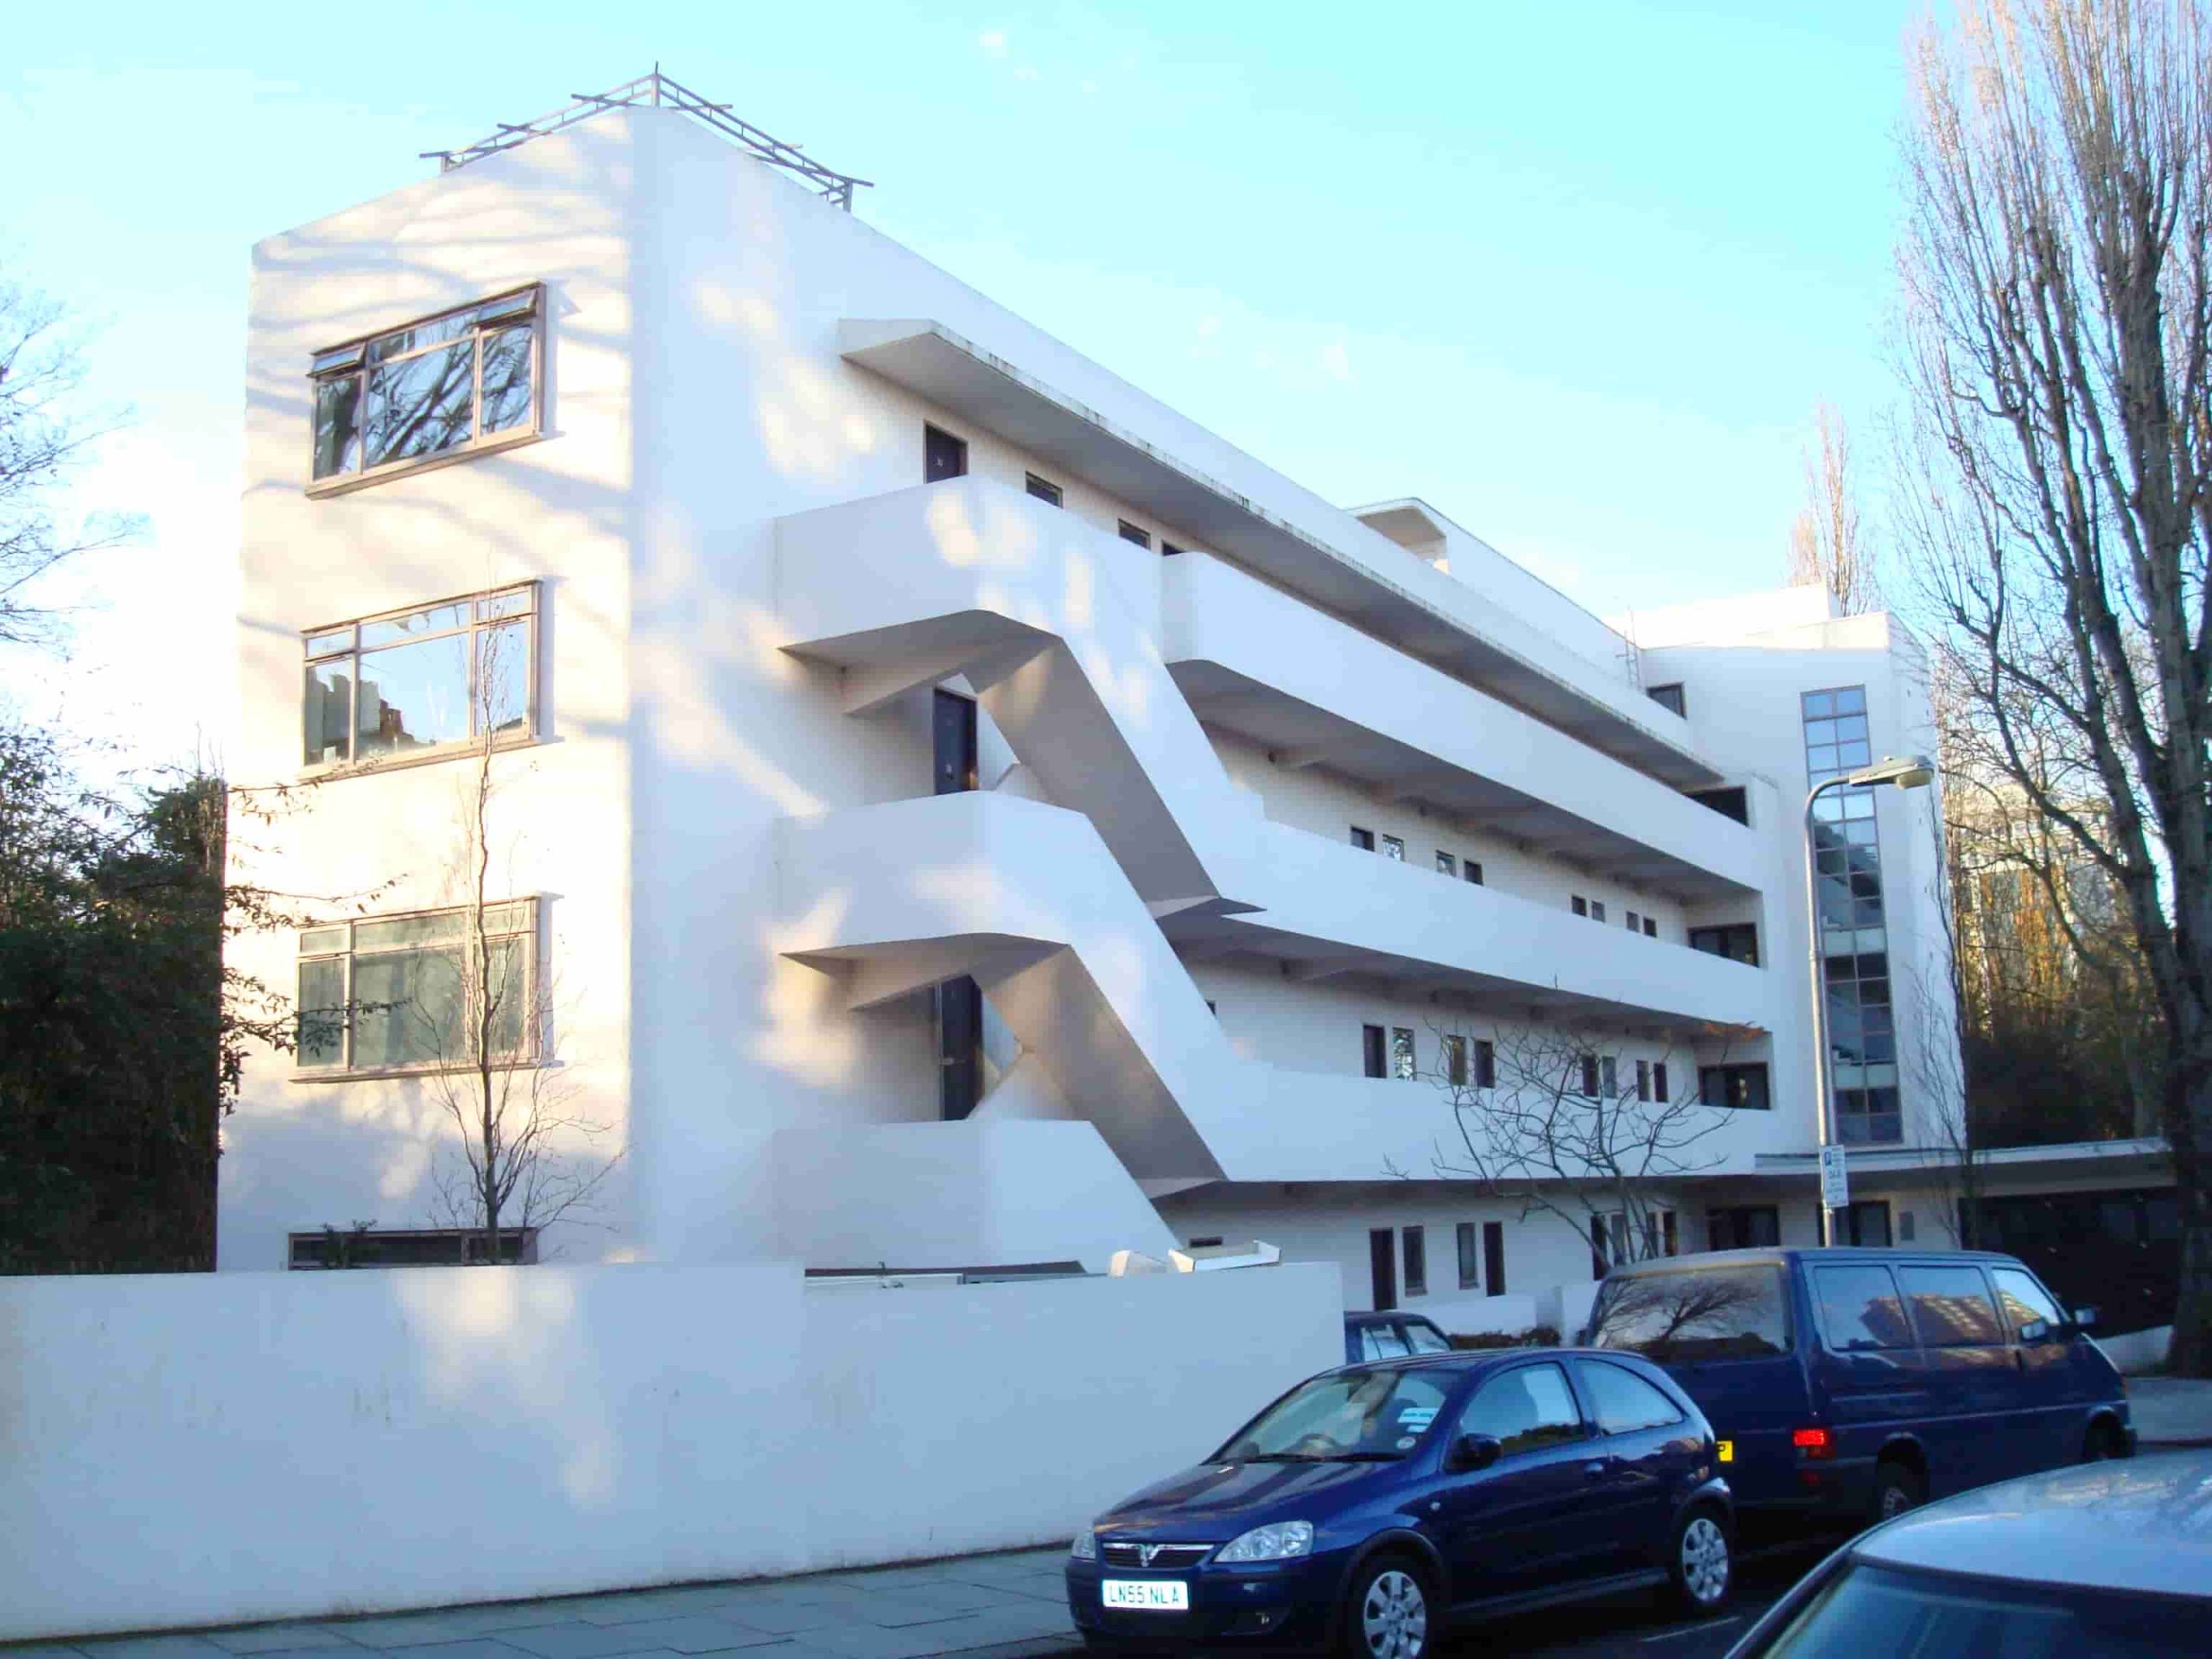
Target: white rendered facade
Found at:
x=748, y=894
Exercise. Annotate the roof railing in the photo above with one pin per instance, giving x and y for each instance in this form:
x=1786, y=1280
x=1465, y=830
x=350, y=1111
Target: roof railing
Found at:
x=656, y=91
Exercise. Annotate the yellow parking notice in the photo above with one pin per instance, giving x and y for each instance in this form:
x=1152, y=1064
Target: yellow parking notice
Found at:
x=1724, y=1450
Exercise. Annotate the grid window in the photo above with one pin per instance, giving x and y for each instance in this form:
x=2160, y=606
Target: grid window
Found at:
x=1414, y=1247
x=447, y=384
x=411, y=681
x=1446, y=864
x=1129, y=532
x=1393, y=846
x=1043, y=488
x=406, y=992
x=1471, y=1261
x=1854, y=936
x=1401, y=1052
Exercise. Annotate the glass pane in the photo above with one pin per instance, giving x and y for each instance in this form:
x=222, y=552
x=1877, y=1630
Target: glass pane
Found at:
x=1859, y=1309
x=1380, y=1412
x=338, y=426
x=1699, y=1314
x=422, y=404
x=514, y=603
x=407, y=1009
x=319, y=941
x=413, y=697
x=414, y=336
x=445, y=924
x=506, y=379
x=503, y=659
x=507, y=918
x=508, y=1003
x=513, y=305
x=1852, y=729
x=397, y=630
x=1852, y=700
x=1524, y=1410
x=2024, y=1299
x=1951, y=1307
x=1821, y=758
x=1393, y=846
x=1820, y=731
x=1859, y=804
x=319, y=1031
x=331, y=643
x=1623, y=1403
x=327, y=710
x=1855, y=755
x=339, y=357
x=1819, y=705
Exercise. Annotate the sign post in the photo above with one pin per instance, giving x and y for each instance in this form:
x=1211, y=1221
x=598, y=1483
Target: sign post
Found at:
x=1835, y=1179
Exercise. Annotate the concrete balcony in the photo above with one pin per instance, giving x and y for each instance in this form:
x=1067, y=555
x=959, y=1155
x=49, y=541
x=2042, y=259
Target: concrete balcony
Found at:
x=1318, y=692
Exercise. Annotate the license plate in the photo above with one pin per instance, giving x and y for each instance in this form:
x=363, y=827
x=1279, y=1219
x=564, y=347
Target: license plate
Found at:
x=1724, y=1450
x=1147, y=1595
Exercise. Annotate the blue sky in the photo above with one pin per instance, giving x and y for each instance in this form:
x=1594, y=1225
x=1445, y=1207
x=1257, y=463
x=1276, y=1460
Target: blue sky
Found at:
x=1576, y=275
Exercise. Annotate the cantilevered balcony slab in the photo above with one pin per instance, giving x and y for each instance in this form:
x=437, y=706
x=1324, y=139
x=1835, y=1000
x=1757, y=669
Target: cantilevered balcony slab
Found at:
x=1051, y=621
x=1258, y=663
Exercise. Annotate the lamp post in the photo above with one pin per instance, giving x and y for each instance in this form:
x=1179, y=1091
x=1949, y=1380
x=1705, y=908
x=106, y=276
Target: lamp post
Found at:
x=1907, y=771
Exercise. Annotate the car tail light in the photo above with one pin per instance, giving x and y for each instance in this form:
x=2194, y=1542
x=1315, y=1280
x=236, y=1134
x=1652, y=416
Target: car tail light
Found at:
x=1813, y=1442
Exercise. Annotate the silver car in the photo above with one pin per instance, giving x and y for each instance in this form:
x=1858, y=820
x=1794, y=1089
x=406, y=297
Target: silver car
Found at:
x=2113, y=1559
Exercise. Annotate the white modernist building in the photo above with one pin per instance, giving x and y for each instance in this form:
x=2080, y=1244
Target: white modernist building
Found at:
x=947, y=810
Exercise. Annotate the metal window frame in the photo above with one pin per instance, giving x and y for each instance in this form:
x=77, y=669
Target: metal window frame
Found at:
x=477, y=625
x=526, y=1055
x=358, y=367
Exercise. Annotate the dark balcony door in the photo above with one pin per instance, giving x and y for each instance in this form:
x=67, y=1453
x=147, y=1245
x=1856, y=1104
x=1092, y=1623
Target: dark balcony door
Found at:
x=959, y=1002
x=1383, y=1260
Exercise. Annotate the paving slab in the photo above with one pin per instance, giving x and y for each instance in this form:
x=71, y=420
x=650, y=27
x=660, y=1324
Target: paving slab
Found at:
x=277, y=1638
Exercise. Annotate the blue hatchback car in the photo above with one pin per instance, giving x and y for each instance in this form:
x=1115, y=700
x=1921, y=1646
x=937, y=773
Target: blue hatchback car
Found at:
x=1862, y=1382
x=1369, y=1505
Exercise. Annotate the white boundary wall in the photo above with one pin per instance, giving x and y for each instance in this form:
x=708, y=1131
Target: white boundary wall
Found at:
x=180, y=1451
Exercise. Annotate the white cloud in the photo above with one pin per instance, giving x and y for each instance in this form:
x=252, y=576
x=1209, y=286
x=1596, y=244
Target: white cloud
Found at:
x=993, y=41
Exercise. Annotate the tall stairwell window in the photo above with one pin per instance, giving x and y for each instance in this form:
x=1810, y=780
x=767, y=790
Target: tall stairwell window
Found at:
x=959, y=1002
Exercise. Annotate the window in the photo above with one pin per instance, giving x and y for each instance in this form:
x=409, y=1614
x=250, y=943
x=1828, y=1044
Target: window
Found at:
x=1129, y=532
x=1859, y=1309
x=2023, y=1300
x=1371, y=1051
x=407, y=991
x=1362, y=839
x=1624, y=1403
x=1853, y=935
x=1634, y=923
x=1494, y=1258
x=1609, y=1081
x=1867, y=1222
x=1951, y=1307
x=1578, y=905
x=1738, y=1088
x=1446, y=864
x=1650, y=927
x=1743, y=1227
x=1659, y=1081
x=943, y=454
x=1643, y=1079
x=1382, y=1342
x=1043, y=488
x=1422, y=1337
x=1455, y=1061
x=1597, y=909
x=411, y=683
x=1393, y=846
x=442, y=1246
x=1668, y=697
x=1688, y=1314
x=1345, y=1413
x=1401, y=1052
x=1739, y=942
x=1471, y=1261
x=1731, y=803
x=1472, y=871
x=1412, y=1245
x=1587, y=1066
x=1525, y=1409
x=457, y=381
x=1168, y=549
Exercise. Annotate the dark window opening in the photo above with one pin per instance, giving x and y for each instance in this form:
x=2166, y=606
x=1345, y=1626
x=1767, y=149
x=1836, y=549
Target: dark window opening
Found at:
x=1415, y=1244
x=1743, y=1227
x=1739, y=1088
x=1668, y=697
x=1650, y=927
x=1043, y=488
x=1588, y=1064
x=1383, y=1268
x=1130, y=533
x=960, y=1047
x=1168, y=549
x=441, y=1247
x=1485, y=1064
x=1362, y=839
x=1203, y=1243
x=1494, y=1258
x=1578, y=905
x=1374, y=1050
x=953, y=734
x=1738, y=941
x=943, y=454
x=1472, y=871
x=1728, y=803
x=1659, y=1081
x=1867, y=1222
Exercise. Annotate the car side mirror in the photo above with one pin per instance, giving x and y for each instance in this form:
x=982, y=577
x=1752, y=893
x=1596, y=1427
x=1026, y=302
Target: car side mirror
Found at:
x=2035, y=1332
x=1472, y=1452
x=2084, y=1318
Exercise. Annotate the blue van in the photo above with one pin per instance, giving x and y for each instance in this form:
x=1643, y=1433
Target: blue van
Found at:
x=1865, y=1381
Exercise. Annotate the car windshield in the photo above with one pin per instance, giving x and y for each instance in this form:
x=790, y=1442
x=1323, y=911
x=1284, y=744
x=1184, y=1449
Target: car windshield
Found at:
x=1869, y=1610
x=1693, y=1313
x=1377, y=1414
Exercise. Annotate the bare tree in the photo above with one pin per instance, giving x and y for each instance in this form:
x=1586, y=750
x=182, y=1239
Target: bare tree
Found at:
x=525, y=1155
x=42, y=435
x=2057, y=273
x=1559, y=1121
x=1828, y=542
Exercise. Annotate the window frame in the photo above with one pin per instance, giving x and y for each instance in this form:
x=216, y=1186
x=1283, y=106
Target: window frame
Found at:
x=1043, y=489
x=958, y=445
x=1722, y=936
x=1729, y=1074
x=532, y=430
x=478, y=624
x=527, y=1054
x=1135, y=534
x=1466, y=1240
x=1413, y=1263
x=1485, y=1064
x=465, y=1240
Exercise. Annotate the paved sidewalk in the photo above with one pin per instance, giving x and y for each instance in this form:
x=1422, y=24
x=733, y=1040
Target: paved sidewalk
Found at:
x=2171, y=1411
x=1009, y=1606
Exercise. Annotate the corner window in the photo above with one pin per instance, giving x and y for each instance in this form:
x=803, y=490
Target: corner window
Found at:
x=410, y=682
x=412, y=992
x=456, y=381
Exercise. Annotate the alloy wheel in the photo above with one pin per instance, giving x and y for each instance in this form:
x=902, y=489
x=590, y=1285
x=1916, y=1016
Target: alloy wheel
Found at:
x=1705, y=1561
x=1393, y=1615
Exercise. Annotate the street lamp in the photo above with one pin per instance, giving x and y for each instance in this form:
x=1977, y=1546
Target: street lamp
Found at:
x=1906, y=771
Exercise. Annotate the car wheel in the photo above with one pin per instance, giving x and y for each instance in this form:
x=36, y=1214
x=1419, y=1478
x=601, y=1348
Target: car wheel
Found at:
x=1898, y=1487
x=2103, y=1443
x=1388, y=1614
x=1701, y=1562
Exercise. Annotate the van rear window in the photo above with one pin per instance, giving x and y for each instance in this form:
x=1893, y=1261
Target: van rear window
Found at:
x=1689, y=1314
